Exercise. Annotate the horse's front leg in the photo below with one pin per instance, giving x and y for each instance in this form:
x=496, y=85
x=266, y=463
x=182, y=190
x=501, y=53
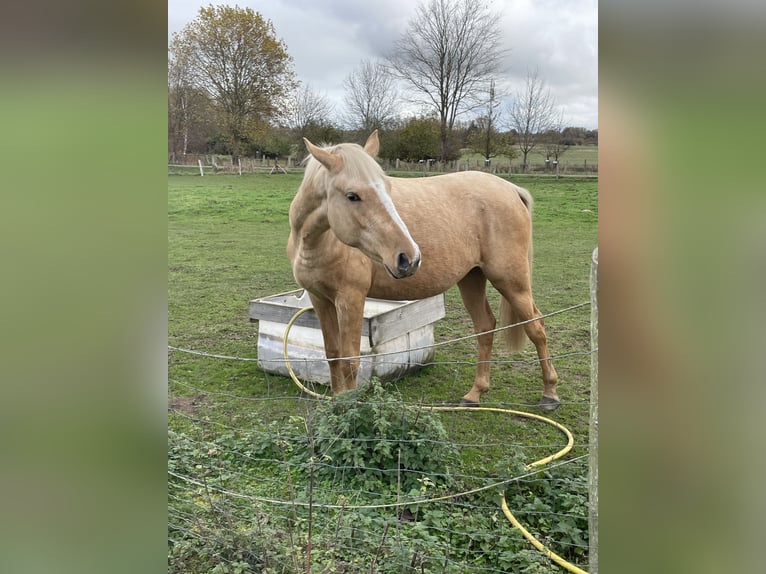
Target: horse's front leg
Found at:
x=350, y=309
x=341, y=323
x=328, y=322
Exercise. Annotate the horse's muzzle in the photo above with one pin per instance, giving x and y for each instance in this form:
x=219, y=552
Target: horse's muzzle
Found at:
x=406, y=266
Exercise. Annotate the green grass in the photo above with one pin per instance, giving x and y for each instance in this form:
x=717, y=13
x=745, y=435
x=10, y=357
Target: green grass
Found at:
x=226, y=246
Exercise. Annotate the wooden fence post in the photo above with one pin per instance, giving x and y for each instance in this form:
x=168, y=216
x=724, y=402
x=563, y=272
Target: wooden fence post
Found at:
x=593, y=441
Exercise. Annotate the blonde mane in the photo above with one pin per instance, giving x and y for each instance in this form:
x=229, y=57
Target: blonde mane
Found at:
x=357, y=164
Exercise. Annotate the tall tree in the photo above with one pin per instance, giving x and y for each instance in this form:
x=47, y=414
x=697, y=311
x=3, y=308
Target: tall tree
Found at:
x=532, y=113
x=239, y=61
x=190, y=111
x=180, y=93
x=371, y=97
x=447, y=55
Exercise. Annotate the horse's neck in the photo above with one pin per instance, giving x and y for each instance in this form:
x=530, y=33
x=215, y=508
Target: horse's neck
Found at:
x=308, y=216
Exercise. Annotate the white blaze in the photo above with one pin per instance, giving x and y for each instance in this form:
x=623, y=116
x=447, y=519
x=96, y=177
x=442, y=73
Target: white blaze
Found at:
x=385, y=199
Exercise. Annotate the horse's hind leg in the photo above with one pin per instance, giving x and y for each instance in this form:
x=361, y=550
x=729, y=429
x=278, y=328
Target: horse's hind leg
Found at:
x=520, y=299
x=536, y=332
x=473, y=290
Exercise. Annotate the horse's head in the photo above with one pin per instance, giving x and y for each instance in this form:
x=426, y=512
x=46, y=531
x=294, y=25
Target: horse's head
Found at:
x=359, y=207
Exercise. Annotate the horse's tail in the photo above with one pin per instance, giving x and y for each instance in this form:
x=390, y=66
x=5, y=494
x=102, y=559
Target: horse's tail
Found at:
x=515, y=337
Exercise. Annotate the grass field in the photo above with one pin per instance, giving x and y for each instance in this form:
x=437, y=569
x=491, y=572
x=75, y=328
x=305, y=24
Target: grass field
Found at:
x=574, y=156
x=226, y=246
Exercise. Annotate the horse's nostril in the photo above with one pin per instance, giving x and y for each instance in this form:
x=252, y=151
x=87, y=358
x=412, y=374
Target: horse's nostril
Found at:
x=403, y=262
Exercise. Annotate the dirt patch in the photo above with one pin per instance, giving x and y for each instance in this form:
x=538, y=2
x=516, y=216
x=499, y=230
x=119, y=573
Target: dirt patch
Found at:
x=187, y=405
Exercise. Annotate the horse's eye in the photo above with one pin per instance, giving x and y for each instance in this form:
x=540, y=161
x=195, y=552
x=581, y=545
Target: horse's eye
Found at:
x=351, y=196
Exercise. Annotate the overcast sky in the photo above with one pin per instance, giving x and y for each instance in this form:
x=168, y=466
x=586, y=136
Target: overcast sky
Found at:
x=328, y=38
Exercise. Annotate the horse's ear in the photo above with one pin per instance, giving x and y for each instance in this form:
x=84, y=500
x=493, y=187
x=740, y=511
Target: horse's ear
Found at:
x=332, y=162
x=372, y=146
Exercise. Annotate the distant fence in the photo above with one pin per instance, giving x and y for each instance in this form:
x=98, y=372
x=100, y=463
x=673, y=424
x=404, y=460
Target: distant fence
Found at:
x=206, y=164
x=505, y=167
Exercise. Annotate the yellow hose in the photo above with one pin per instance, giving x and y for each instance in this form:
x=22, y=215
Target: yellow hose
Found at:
x=287, y=357
x=537, y=544
x=543, y=461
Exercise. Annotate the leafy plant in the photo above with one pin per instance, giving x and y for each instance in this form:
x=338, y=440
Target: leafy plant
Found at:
x=369, y=435
x=212, y=532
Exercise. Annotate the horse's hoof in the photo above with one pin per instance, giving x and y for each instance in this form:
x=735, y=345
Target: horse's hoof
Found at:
x=549, y=404
x=467, y=403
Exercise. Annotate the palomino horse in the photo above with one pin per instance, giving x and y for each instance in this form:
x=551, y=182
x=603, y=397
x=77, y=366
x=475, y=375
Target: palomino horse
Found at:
x=356, y=232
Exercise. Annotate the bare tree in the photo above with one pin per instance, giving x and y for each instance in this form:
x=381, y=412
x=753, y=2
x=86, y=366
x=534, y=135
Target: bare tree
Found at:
x=371, y=97
x=482, y=135
x=532, y=112
x=190, y=110
x=447, y=55
x=553, y=142
x=308, y=108
x=491, y=119
x=180, y=92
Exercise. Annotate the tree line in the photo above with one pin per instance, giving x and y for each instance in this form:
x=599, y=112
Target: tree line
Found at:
x=232, y=90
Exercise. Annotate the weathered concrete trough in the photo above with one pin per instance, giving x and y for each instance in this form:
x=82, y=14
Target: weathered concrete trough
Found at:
x=401, y=328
